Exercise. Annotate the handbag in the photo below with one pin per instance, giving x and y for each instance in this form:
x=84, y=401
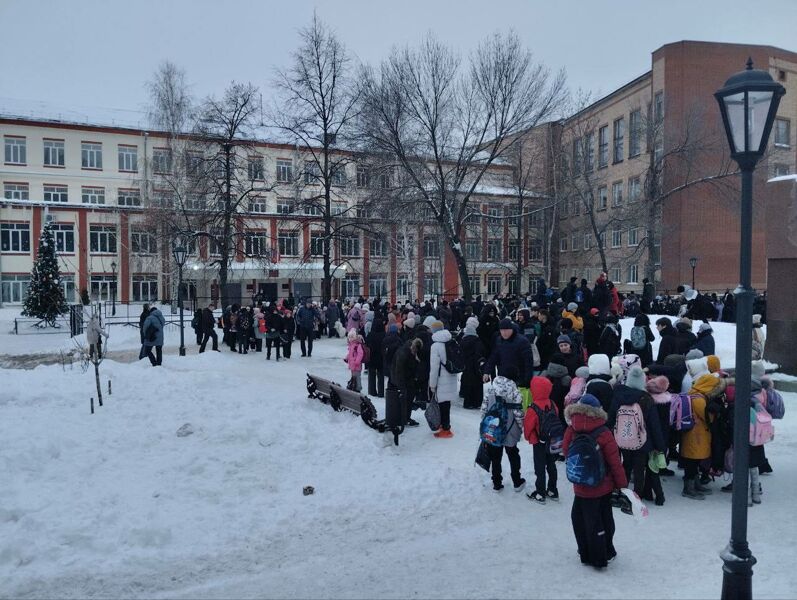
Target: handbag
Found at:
x=656, y=461
x=483, y=457
x=432, y=414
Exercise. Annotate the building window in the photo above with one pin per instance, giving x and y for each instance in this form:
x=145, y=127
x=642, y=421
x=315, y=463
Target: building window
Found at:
x=603, y=146
x=362, y=212
x=128, y=197
x=618, y=139
x=617, y=238
x=403, y=287
x=143, y=242
x=603, y=197
x=288, y=243
x=255, y=170
x=633, y=236
x=351, y=286
x=634, y=189
x=316, y=243
x=64, y=234
x=431, y=284
x=68, y=285
x=284, y=170
x=339, y=175
x=145, y=288
x=378, y=247
x=587, y=241
x=350, y=245
x=589, y=152
x=92, y=195
x=494, y=215
x=783, y=132
x=602, y=239
x=258, y=204
x=338, y=208
x=633, y=274
x=55, y=193
x=312, y=173
x=14, y=288
x=16, y=191
x=311, y=209
x=53, y=153
x=513, y=248
x=102, y=239
x=575, y=242
x=493, y=285
x=635, y=133
x=284, y=206
x=128, y=159
x=535, y=250
x=535, y=218
x=617, y=193
x=256, y=243
x=563, y=243
x=161, y=161
x=15, y=237
x=431, y=246
x=363, y=176
x=385, y=178
x=15, y=150
x=473, y=250
x=658, y=107
x=779, y=170
x=577, y=157
x=101, y=286
x=91, y=155
x=377, y=285
x=617, y=275
x=495, y=250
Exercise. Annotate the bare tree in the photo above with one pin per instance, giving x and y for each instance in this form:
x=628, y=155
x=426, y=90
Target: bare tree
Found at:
x=445, y=122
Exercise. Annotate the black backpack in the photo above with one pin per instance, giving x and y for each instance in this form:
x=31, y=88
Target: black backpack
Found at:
x=455, y=361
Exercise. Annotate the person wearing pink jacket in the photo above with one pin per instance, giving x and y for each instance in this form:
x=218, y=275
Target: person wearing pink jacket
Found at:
x=354, y=358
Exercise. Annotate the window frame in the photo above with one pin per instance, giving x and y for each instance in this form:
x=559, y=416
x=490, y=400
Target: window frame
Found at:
x=90, y=156
x=50, y=145
x=349, y=245
x=603, y=146
x=15, y=145
x=617, y=193
x=284, y=169
x=64, y=236
x=143, y=243
x=15, y=237
x=780, y=143
x=288, y=243
x=137, y=286
x=127, y=153
x=87, y=192
x=103, y=236
x=618, y=140
x=58, y=193
x=635, y=133
x=161, y=161
x=132, y=197
x=20, y=189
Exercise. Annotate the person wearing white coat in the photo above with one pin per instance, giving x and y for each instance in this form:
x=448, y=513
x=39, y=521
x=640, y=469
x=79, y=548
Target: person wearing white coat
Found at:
x=442, y=383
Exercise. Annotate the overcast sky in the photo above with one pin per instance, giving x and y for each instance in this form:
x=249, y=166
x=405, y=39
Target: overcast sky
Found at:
x=99, y=53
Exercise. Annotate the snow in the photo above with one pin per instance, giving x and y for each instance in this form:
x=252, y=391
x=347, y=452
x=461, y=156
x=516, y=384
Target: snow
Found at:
x=117, y=504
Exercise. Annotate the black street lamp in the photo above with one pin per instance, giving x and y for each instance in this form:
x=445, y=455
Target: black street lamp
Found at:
x=748, y=103
x=693, y=264
x=113, y=289
x=179, y=253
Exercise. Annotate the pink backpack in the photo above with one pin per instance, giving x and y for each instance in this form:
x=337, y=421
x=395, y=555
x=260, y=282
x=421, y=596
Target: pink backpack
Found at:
x=629, y=427
x=761, y=429
x=576, y=390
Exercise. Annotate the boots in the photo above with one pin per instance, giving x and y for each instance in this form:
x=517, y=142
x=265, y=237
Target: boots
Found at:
x=755, y=487
x=702, y=489
x=690, y=491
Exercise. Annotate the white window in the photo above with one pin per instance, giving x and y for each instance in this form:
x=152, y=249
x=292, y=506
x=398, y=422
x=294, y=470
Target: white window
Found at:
x=92, y=195
x=15, y=150
x=338, y=208
x=288, y=243
x=101, y=286
x=351, y=286
x=617, y=238
x=255, y=168
x=316, y=243
x=14, y=288
x=634, y=189
x=779, y=170
x=782, y=132
x=16, y=191
x=617, y=275
x=284, y=206
x=257, y=244
x=377, y=285
x=68, y=285
x=475, y=284
x=193, y=162
x=91, y=155
x=633, y=236
x=633, y=274
x=15, y=237
x=603, y=146
x=589, y=153
x=635, y=133
x=575, y=241
x=311, y=209
x=55, y=193
x=617, y=193
x=143, y=242
x=284, y=170
x=563, y=243
x=535, y=250
x=64, y=234
x=53, y=153
x=128, y=159
x=618, y=138
x=378, y=247
x=363, y=176
x=493, y=215
x=102, y=239
x=145, y=288
x=312, y=173
x=603, y=197
x=495, y=250
x=513, y=248
x=350, y=245
x=431, y=284
x=161, y=161
x=194, y=202
x=162, y=199
x=339, y=175
x=403, y=288
x=257, y=204
x=431, y=246
x=658, y=107
x=473, y=250
x=493, y=284
x=587, y=241
x=128, y=197
x=362, y=212
x=602, y=239
x=385, y=179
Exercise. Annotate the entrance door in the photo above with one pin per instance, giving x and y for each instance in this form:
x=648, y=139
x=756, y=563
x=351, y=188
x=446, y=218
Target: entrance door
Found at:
x=302, y=290
x=268, y=291
x=233, y=293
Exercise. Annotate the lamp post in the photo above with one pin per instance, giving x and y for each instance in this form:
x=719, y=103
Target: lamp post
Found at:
x=693, y=264
x=179, y=253
x=113, y=289
x=748, y=103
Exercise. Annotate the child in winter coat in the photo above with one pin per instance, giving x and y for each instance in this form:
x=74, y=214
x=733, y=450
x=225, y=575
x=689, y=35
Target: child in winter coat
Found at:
x=94, y=335
x=442, y=384
x=591, y=515
x=577, y=386
x=696, y=443
x=544, y=460
x=354, y=358
x=657, y=388
x=505, y=387
x=288, y=334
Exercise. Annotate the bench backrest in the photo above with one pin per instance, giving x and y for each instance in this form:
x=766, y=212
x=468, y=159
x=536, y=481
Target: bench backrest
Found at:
x=348, y=399
x=321, y=387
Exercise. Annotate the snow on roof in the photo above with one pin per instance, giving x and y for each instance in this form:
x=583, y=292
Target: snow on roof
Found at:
x=783, y=178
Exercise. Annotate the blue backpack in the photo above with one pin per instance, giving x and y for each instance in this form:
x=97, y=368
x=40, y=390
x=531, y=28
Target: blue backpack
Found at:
x=579, y=296
x=585, y=464
x=493, y=428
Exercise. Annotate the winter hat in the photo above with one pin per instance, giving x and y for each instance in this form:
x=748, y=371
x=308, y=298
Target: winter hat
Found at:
x=352, y=335
x=506, y=324
x=410, y=315
x=566, y=323
x=472, y=323
x=756, y=319
x=686, y=321
x=594, y=312
x=436, y=326
x=392, y=328
x=590, y=400
x=357, y=305
x=369, y=316
x=572, y=307
x=563, y=339
x=697, y=367
x=557, y=371
x=704, y=327
x=366, y=306
x=636, y=378
x=657, y=387
x=693, y=354
x=409, y=323
x=582, y=372
x=713, y=363
x=427, y=322
x=599, y=365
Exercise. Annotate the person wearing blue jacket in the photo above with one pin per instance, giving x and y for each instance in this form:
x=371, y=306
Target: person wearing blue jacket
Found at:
x=305, y=323
x=153, y=336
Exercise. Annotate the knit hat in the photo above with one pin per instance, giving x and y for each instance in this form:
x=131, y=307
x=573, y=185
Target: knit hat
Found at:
x=409, y=323
x=693, y=354
x=686, y=321
x=594, y=312
x=472, y=323
x=704, y=327
x=636, y=378
x=599, y=365
x=582, y=372
x=436, y=326
x=572, y=307
x=352, y=335
x=357, y=305
x=713, y=363
x=590, y=400
x=392, y=328
x=410, y=315
x=506, y=324
x=427, y=322
x=563, y=339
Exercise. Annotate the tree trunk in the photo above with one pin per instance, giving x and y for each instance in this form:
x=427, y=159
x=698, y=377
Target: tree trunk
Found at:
x=650, y=242
x=520, y=245
x=97, y=378
x=225, y=244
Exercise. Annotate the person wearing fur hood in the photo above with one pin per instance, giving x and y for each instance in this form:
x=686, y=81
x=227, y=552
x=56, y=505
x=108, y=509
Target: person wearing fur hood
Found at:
x=505, y=387
x=696, y=443
x=591, y=515
x=544, y=461
x=355, y=356
x=442, y=384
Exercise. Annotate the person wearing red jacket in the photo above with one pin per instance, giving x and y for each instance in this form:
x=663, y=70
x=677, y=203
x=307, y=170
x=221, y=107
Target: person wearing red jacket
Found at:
x=591, y=515
x=543, y=460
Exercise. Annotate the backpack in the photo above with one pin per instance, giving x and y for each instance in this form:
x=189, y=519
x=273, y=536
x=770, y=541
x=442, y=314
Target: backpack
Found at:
x=761, y=429
x=629, y=427
x=579, y=296
x=638, y=338
x=773, y=402
x=585, y=464
x=551, y=429
x=455, y=361
x=261, y=325
x=681, y=417
x=366, y=353
x=493, y=428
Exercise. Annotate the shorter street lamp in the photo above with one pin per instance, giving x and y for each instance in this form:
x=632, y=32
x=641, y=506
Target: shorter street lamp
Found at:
x=748, y=102
x=693, y=264
x=113, y=289
x=179, y=253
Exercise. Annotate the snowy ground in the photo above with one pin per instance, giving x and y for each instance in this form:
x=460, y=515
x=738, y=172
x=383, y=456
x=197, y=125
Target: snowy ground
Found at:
x=116, y=505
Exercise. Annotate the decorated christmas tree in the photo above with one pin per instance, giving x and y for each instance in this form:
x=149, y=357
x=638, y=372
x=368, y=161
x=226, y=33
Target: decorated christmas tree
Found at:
x=45, y=299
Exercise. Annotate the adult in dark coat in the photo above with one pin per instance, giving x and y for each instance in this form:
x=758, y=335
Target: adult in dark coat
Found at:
x=471, y=387
x=404, y=375
x=208, y=328
x=445, y=316
x=488, y=327
x=583, y=298
x=153, y=336
x=600, y=294
x=648, y=294
x=305, y=322
x=645, y=354
x=510, y=349
x=376, y=370
x=569, y=293
x=333, y=315
x=669, y=342
x=685, y=338
x=141, y=318
x=275, y=325
x=390, y=345
x=546, y=342
x=705, y=340
x=196, y=325
x=592, y=331
x=244, y=330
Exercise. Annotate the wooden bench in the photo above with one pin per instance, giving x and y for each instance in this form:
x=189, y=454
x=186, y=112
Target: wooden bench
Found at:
x=319, y=388
x=340, y=399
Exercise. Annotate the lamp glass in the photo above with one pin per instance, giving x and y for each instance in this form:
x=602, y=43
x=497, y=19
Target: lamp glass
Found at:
x=179, y=253
x=734, y=106
x=757, y=112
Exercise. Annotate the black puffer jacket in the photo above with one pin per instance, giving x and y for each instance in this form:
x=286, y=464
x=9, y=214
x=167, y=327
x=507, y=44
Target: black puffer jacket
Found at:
x=515, y=351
